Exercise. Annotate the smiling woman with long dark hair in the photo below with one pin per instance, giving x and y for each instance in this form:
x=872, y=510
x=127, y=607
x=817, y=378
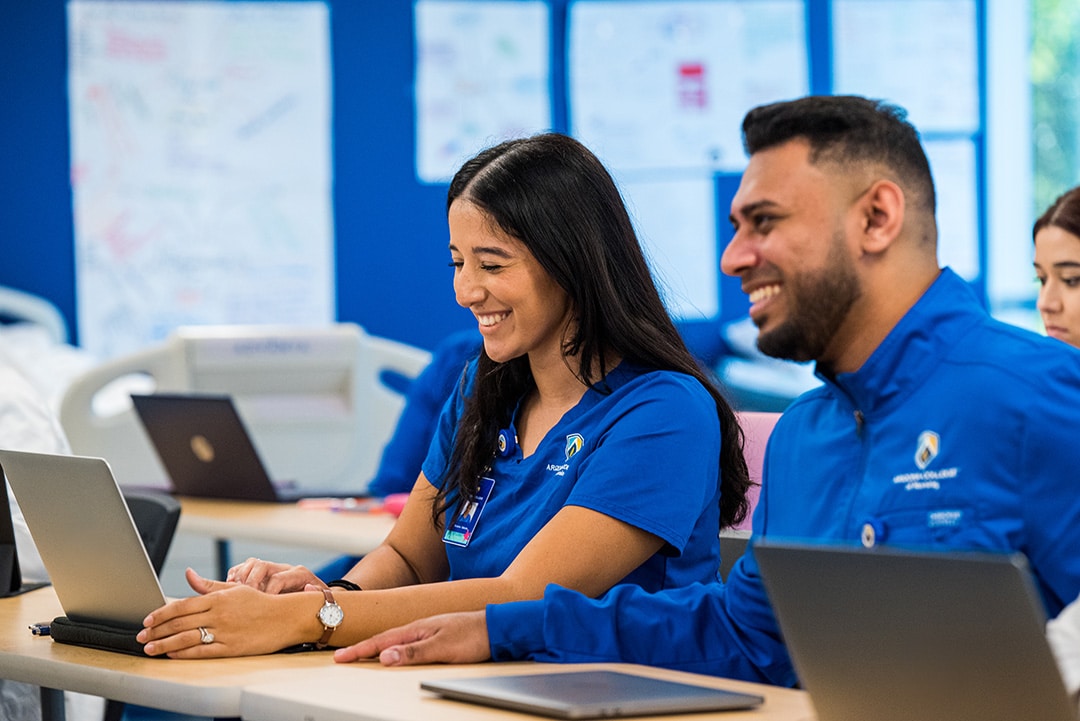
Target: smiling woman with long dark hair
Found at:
x=584, y=447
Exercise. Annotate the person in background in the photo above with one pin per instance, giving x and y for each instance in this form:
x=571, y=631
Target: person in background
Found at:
x=1057, y=265
x=1063, y=633
x=584, y=446
x=26, y=424
x=836, y=245
x=404, y=453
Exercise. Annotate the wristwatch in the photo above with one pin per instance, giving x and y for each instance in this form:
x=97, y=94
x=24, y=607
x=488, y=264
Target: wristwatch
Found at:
x=330, y=615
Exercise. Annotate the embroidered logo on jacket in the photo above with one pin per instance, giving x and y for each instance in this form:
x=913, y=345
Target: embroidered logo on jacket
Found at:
x=927, y=449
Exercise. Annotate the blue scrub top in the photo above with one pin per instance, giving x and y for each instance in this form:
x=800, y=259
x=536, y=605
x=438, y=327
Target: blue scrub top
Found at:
x=643, y=447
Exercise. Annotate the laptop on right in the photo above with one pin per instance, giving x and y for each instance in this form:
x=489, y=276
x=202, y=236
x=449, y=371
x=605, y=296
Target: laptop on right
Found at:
x=894, y=635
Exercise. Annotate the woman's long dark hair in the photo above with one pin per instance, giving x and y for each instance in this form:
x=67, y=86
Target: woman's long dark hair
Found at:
x=552, y=194
x=1063, y=213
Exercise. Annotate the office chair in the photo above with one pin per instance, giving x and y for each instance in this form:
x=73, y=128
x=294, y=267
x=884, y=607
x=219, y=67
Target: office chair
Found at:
x=156, y=516
x=757, y=427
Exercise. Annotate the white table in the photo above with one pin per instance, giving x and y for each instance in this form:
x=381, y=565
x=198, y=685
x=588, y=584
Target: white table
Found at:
x=369, y=692
x=285, y=523
x=205, y=688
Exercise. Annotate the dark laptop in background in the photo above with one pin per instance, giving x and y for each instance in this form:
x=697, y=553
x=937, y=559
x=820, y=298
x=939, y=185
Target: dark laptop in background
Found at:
x=206, y=449
x=892, y=635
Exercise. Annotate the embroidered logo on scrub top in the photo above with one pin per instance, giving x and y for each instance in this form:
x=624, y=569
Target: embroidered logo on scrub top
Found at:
x=574, y=443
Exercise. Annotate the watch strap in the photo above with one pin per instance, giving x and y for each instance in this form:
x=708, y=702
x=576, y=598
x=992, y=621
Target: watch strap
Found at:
x=328, y=631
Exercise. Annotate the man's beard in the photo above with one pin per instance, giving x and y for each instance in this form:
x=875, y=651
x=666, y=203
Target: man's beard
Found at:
x=818, y=304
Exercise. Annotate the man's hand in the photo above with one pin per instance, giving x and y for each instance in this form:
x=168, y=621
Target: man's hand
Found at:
x=449, y=638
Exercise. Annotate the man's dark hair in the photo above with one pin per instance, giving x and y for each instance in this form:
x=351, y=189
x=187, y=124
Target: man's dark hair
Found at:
x=847, y=130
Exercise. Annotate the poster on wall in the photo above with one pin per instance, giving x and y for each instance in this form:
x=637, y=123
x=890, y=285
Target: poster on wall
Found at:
x=200, y=166
x=675, y=222
x=664, y=85
x=889, y=49
x=658, y=90
x=919, y=54
x=953, y=165
x=482, y=76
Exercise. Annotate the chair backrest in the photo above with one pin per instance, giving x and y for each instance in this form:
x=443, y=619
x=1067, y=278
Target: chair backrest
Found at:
x=315, y=400
x=156, y=516
x=756, y=426
x=732, y=545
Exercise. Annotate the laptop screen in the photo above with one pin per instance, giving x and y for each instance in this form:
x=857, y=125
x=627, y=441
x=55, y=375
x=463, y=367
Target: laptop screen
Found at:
x=894, y=635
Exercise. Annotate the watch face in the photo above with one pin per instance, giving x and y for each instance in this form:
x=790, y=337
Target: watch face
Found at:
x=331, y=615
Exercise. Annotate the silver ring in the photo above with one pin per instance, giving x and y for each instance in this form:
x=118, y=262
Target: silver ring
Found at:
x=205, y=635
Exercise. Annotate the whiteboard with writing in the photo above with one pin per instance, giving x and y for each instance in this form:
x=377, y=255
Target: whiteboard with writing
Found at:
x=482, y=76
x=665, y=85
x=200, y=166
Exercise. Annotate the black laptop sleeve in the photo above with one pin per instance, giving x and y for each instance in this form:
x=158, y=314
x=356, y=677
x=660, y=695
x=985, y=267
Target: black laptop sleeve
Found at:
x=103, y=636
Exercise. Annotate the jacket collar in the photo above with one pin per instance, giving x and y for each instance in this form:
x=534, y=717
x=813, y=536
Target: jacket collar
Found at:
x=914, y=348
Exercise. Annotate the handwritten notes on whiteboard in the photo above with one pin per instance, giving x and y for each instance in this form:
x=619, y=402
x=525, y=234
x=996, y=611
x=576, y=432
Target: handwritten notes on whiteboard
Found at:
x=201, y=166
x=482, y=76
x=658, y=90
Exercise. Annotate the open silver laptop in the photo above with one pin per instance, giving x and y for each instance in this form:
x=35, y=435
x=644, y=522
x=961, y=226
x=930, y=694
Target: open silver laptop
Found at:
x=85, y=535
x=893, y=635
x=591, y=694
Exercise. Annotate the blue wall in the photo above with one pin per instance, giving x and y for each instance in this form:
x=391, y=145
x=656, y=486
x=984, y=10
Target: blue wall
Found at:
x=391, y=230
x=35, y=198
x=391, y=258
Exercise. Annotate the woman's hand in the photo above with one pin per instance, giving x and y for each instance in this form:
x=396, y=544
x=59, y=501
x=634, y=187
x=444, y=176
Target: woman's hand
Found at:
x=449, y=638
x=272, y=577
x=237, y=619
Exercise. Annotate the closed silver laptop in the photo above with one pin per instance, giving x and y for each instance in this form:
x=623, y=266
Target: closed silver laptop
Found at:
x=591, y=694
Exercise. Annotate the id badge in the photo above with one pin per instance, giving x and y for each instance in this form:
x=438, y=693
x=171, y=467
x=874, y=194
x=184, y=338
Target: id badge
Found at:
x=461, y=532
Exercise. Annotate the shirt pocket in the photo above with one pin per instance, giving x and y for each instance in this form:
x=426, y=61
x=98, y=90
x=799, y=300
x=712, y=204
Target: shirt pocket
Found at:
x=949, y=525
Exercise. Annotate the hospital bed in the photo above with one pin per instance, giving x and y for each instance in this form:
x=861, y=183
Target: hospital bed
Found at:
x=319, y=402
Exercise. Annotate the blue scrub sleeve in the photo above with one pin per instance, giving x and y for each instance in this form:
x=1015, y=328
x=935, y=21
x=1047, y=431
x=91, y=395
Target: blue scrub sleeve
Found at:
x=722, y=630
x=656, y=464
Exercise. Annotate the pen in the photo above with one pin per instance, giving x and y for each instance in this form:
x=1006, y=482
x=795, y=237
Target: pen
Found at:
x=40, y=629
x=337, y=504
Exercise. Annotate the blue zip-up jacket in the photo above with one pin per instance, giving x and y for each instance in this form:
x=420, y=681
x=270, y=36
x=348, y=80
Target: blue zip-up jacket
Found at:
x=959, y=432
